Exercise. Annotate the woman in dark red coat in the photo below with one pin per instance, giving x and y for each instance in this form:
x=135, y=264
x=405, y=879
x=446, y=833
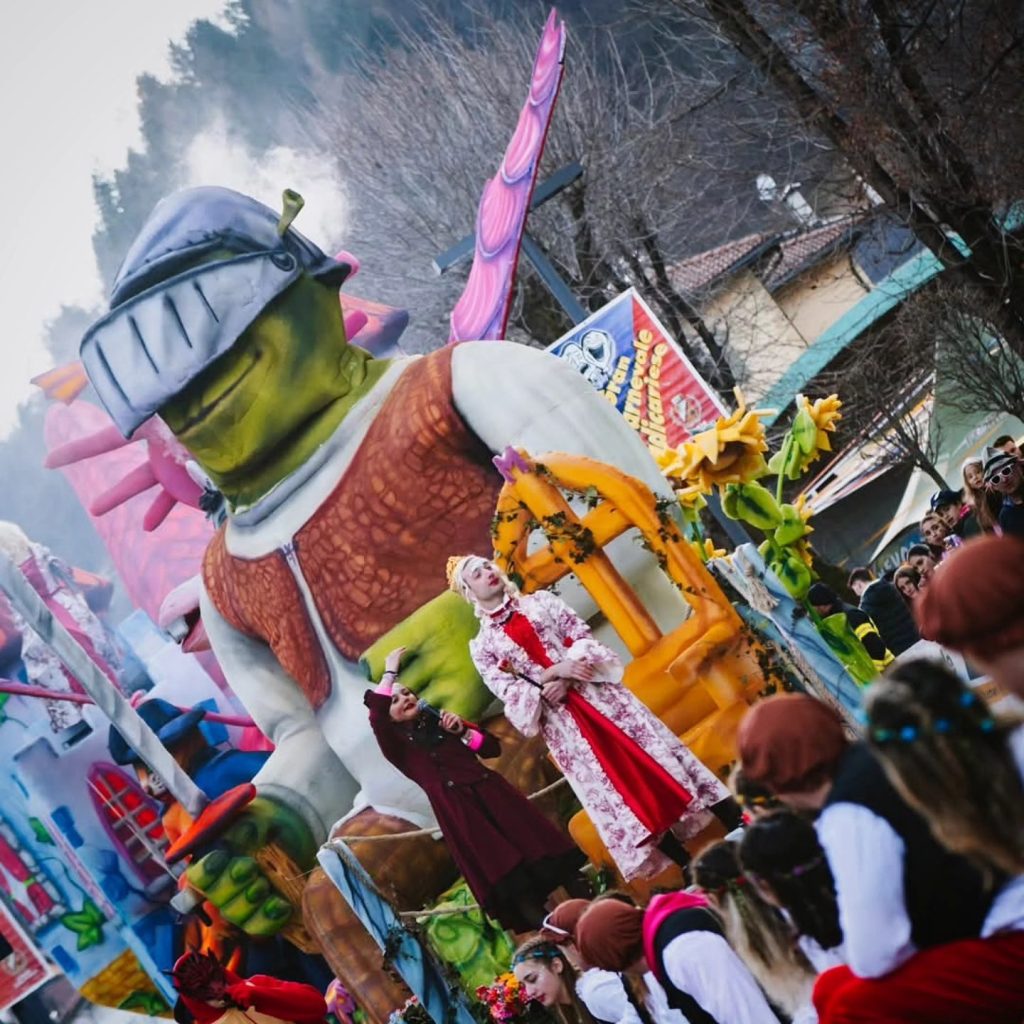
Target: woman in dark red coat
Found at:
x=511, y=856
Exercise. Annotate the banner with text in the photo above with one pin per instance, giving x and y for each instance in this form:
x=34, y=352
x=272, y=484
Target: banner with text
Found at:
x=629, y=357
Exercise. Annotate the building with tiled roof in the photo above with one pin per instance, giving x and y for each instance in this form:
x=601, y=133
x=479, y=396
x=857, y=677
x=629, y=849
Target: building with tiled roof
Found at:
x=771, y=297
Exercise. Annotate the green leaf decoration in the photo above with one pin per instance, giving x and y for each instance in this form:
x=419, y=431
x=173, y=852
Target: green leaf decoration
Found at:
x=86, y=924
x=792, y=527
x=756, y=505
x=150, y=1003
x=805, y=432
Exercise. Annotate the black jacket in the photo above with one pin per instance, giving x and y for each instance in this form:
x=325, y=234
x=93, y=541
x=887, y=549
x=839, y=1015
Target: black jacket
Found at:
x=884, y=605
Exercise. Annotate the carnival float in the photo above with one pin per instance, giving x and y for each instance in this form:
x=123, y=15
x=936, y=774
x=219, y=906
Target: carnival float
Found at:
x=281, y=492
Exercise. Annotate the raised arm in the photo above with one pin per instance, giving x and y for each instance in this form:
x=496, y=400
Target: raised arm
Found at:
x=390, y=744
x=303, y=772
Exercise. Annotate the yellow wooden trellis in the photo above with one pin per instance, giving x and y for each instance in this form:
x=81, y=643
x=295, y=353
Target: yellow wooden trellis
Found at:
x=699, y=677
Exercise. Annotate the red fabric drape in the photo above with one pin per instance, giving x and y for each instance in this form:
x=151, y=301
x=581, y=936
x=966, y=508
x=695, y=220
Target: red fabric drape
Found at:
x=976, y=981
x=656, y=798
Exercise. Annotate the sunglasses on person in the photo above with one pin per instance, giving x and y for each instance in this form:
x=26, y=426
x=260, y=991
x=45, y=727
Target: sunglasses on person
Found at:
x=999, y=475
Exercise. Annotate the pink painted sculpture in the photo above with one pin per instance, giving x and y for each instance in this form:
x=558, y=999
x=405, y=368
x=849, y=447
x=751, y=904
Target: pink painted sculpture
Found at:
x=481, y=314
x=150, y=564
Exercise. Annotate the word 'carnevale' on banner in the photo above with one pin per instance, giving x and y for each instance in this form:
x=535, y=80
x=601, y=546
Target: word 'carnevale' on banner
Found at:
x=624, y=352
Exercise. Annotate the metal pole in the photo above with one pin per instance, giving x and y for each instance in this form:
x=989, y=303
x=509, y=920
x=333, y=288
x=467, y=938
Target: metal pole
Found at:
x=23, y=690
x=108, y=698
x=561, y=292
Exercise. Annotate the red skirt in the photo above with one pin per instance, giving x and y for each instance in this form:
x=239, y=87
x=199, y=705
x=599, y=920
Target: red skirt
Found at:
x=656, y=798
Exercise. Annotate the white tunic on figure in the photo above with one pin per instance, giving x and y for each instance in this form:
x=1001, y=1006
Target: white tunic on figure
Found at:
x=326, y=763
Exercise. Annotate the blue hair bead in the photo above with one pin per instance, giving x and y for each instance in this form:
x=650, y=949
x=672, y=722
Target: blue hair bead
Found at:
x=967, y=698
x=988, y=724
x=908, y=733
x=943, y=725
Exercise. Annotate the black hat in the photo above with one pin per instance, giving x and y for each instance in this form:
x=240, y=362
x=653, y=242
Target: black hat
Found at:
x=821, y=593
x=168, y=722
x=940, y=499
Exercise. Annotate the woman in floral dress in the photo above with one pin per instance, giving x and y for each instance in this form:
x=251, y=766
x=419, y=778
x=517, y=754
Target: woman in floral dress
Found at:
x=643, y=790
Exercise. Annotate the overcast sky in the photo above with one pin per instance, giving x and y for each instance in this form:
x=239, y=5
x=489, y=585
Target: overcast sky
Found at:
x=67, y=77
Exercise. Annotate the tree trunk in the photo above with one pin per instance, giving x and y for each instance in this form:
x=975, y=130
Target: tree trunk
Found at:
x=1001, y=278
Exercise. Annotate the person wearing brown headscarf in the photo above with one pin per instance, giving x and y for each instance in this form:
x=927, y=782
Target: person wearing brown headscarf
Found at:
x=975, y=605
x=911, y=911
x=560, y=925
x=790, y=745
x=602, y=992
x=677, y=949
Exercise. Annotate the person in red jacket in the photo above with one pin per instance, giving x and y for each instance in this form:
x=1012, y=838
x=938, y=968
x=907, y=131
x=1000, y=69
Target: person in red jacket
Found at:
x=210, y=993
x=511, y=856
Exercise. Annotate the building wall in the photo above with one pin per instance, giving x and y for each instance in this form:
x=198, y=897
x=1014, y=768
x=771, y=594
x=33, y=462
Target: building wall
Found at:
x=821, y=295
x=759, y=338
x=765, y=333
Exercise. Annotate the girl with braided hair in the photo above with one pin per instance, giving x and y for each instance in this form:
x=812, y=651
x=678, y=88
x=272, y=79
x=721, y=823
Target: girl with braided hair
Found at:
x=547, y=976
x=762, y=937
x=953, y=761
x=960, y=767
x=674, y=948
x=783, y=860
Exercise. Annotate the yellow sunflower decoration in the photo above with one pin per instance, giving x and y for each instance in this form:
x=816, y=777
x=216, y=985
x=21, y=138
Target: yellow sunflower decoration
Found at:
x=706, y=550
x=732, y=451
x=808, y=436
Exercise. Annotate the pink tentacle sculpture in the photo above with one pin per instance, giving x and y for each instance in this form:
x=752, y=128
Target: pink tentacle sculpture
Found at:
x=482, y=310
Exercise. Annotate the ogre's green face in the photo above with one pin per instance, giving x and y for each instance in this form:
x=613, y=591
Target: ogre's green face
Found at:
x=255, y=414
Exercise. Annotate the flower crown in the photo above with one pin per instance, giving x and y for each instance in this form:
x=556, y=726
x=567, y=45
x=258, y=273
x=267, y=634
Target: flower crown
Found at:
x=734, y=885
x=756, y=801
x=451, y=572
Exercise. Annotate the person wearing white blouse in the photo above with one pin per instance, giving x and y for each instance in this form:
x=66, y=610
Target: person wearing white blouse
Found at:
x=912, y=913
x=678, y=942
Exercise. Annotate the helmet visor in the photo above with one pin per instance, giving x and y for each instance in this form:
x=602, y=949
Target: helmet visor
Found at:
x=148, y=350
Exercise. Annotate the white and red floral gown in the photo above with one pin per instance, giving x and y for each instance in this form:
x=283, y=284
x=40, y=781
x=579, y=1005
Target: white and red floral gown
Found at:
x=502, y=662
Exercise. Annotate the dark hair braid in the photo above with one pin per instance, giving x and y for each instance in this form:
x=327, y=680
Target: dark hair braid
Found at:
x=781, y=851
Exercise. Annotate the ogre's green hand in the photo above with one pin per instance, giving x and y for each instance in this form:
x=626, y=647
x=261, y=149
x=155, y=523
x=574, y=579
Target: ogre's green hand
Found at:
x=235, y=884
x=436, y=664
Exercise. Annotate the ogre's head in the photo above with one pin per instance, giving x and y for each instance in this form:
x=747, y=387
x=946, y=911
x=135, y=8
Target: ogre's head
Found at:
x=204, y=267
x=226, y=322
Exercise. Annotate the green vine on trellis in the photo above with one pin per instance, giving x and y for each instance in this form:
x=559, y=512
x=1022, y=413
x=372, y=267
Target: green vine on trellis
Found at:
x=561, y=527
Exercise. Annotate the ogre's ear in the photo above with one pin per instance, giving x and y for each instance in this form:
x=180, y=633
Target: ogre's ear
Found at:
x=291, y=204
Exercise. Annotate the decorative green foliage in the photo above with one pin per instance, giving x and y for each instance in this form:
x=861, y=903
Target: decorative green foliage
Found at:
x=86, y=924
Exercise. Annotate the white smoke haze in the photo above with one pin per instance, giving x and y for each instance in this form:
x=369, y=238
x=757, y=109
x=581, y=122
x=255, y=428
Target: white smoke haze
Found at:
x=67, y=74
x=216, y=158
